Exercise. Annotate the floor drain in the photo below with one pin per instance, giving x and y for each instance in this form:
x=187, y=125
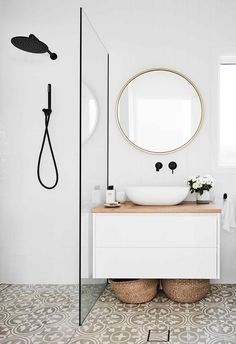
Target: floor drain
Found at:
x=159, y=336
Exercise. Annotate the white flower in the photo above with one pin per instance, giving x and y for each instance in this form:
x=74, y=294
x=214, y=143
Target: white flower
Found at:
x=204, y=180
x=192, y=178
x=199, y=182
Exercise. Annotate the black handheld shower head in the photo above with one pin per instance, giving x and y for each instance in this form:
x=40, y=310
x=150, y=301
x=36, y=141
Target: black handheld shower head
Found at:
x=32, y=44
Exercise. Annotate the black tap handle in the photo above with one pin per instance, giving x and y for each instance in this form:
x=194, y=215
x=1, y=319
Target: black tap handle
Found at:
x=158, y=166
x=172, y=166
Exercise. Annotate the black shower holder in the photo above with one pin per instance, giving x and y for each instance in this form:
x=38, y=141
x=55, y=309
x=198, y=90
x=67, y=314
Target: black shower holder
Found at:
x=47, y=112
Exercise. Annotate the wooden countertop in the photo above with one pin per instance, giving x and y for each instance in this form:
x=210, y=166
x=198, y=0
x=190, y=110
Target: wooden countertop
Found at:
x=185, y=207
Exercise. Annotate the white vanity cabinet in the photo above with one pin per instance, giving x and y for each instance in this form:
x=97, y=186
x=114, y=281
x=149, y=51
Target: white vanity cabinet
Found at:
x=150, y=242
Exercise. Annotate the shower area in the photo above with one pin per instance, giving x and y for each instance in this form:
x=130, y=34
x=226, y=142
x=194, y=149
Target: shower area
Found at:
x=54, y=159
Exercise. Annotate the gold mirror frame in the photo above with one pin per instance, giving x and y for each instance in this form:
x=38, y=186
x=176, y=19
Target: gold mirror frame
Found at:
x=162, y=70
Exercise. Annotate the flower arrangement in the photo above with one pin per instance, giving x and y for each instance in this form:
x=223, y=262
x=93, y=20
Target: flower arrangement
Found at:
x=199, y=184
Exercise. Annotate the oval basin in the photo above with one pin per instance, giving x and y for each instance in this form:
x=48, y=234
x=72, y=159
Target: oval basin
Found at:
x=157, y=195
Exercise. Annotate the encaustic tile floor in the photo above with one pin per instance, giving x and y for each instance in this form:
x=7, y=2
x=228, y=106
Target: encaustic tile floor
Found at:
x=49, y=314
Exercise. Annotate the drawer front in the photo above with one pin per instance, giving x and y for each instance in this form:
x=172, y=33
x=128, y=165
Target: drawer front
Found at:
x=156, y=263
x=138, y=230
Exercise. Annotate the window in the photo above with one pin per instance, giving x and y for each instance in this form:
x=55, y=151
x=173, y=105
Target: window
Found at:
x=227, y=116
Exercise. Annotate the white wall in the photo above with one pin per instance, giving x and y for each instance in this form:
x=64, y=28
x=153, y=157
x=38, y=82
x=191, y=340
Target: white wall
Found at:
x=38, y=232
x=188, y=36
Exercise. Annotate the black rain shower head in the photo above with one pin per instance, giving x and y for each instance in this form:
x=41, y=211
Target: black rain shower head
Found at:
x=32, y=44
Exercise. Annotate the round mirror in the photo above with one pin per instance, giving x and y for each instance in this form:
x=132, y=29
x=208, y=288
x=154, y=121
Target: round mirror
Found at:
x=159, y=110
x=89, y=113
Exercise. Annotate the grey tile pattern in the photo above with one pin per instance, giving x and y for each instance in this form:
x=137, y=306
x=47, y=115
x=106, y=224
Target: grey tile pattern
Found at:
x=209, y=321
x=36, y=314
x=3, y=286
x=90, y=293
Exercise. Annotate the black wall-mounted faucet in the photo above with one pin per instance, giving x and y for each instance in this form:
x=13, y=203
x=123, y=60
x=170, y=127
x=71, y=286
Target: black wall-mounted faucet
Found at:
x=158, y=166
x=172, y=166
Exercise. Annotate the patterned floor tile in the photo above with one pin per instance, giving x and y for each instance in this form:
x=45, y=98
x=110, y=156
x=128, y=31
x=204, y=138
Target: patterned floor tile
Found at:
x=18, y=340
x=189, y=323
x=78, y=339
x=221, y=329
x=230, y=340
x=38, y=314
x=110, y=334
x=19, y=328
x=53, y=334
x=189, y=334
x=3, y=286
x=86, y=299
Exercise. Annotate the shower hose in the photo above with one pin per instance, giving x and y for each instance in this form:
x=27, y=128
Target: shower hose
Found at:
x=47, y=113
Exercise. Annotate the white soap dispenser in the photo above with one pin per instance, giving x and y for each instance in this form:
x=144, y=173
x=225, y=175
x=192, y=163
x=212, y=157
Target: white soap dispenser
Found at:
x=96, y=195
x=110, y=194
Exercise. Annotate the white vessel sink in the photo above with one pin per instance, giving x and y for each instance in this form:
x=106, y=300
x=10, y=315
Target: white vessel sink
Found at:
x=157, y=195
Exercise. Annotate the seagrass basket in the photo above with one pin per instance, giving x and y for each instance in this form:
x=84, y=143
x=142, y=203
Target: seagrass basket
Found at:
x=135, y=291
x=185, y=290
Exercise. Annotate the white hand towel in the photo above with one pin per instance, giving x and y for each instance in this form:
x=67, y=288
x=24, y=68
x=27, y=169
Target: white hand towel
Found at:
x=229, y=214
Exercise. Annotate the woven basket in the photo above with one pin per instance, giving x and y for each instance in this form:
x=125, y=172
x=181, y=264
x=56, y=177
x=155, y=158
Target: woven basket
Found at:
x=185, y=290
x=135, y=291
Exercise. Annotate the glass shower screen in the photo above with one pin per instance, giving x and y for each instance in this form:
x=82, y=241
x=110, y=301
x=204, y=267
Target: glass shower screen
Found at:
x=93, y=149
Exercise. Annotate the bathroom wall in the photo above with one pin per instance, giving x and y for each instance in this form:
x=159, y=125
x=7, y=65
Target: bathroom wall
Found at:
x=38, y=234
x=188, y=36
x=39, y=230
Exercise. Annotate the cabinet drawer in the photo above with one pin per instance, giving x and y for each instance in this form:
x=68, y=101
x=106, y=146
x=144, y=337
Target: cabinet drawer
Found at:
x=162, y=230
x=156, y=263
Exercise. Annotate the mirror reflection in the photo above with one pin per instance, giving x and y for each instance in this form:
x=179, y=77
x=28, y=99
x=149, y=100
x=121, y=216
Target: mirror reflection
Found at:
x=89, y=113
x=159, y=110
